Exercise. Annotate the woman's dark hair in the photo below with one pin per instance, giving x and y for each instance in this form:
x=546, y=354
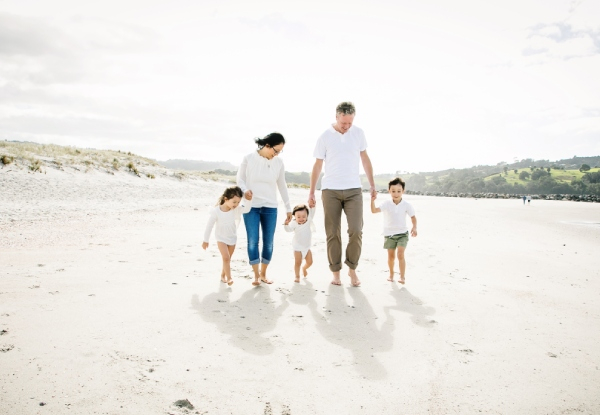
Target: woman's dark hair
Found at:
x=299, y=208
x=270, y=140
x=230, y=193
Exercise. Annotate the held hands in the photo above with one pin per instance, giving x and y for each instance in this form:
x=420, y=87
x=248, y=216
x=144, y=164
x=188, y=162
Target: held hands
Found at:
x=204, y=245
x=288, y=219
x=373, y=193
x=311, y=200
x=248, y=195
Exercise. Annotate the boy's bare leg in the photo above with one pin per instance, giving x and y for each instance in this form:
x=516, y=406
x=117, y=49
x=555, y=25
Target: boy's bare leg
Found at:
x=297, y=263
x=402, y=262
x=391, y=261
x=263, y=274
x=226, y=252
x=354, y=281
x=308, y=261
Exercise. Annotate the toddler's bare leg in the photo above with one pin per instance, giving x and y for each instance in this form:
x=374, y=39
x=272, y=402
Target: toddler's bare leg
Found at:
x=402, y=262
x=391, y=260
x=297, y=263
x=308, y=261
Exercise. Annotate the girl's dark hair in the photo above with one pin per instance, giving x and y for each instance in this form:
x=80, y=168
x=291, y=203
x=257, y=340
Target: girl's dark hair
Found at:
x=270, y=140
x=396, y=181
x=299, y=208
x=230, y=193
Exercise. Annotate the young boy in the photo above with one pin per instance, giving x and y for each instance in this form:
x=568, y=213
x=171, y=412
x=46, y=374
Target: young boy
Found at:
x=395, y=231
x=302, y=226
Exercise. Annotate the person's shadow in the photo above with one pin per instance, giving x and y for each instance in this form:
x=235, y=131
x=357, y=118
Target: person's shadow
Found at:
x=408, y=303
x=355, y=327
x=244, y=320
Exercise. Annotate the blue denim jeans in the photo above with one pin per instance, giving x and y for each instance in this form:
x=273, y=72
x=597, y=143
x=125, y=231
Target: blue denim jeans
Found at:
x=266, y=219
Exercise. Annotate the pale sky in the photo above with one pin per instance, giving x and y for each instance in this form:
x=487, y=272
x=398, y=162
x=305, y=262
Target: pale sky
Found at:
x=437, y=84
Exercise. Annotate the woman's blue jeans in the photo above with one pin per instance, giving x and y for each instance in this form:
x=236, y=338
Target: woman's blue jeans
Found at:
x=266, y=219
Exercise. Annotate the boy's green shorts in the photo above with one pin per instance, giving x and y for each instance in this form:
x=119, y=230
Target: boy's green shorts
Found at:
x=394, y=241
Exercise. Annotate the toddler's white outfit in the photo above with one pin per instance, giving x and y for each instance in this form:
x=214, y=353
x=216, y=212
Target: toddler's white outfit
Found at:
x=302, y=239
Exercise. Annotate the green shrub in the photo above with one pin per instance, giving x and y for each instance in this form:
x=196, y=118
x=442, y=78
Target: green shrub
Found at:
x=35, y=165
x=6, y=159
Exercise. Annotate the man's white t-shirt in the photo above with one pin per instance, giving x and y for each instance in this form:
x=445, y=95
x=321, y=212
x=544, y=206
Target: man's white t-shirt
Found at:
x=341, y=154
x=394, y=217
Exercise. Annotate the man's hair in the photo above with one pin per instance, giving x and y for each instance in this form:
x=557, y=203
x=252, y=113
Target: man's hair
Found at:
x=396, y=181
x=345, y=108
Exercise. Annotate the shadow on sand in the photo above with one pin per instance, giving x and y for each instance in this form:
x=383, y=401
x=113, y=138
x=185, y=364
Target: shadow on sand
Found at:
x=244, y=320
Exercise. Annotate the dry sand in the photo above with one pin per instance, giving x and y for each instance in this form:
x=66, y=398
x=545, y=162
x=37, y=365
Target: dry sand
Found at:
x=108, y=305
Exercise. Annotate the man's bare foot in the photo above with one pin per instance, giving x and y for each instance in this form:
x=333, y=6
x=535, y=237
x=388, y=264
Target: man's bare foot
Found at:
x=336, y=278
x=229, y=281
x=297, y=279
x=353, y=278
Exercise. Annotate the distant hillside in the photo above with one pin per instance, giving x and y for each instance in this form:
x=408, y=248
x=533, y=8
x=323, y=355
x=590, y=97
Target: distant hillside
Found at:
x=197, y=165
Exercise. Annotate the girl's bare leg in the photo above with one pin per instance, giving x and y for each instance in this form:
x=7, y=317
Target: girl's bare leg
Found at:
x=391, y=260
x=297, y=263
x=402, y=262
x=308, y=261
x=226, y=253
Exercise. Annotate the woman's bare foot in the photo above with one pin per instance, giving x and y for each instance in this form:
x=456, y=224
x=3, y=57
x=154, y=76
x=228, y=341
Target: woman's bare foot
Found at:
x=264, y=279
x=353, y=278
x=297, y=279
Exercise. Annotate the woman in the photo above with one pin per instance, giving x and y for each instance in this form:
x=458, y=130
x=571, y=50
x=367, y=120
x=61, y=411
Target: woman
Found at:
x=260, y=175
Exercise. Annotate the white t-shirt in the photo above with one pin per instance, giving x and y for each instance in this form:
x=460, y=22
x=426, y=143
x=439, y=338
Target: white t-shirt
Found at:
x=263, y=177
x=394, y=217
x=341, y=154
x=226, y=223
x=302, y=240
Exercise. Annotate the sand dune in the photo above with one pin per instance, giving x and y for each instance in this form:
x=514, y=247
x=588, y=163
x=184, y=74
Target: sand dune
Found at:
x=108, y=305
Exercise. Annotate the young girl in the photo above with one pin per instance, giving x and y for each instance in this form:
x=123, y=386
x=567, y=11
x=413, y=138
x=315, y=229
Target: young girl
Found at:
x=226, y=215
x=303, y=227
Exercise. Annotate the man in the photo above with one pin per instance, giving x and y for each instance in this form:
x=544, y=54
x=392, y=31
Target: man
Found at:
x=341, y=147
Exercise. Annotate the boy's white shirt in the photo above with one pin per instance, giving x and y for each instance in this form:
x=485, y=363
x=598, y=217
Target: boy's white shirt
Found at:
x=394, y=217
x=263, y=177
x=226, y=223
x=341, y=154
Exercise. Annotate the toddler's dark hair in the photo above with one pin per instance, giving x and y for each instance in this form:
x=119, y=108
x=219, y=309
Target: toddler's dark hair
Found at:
x=396, y=181
x=299, y=208
x=229, y=193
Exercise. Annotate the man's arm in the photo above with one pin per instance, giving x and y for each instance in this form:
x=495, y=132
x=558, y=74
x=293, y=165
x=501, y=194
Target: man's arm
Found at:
x=368, y=168
x=314, y=177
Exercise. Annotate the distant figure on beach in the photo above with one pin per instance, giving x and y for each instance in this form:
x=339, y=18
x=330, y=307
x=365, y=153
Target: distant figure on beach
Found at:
x=260, y=175
x=395, y=230
x=340, y=148
x=226, y=216
x=303, y=227
x=524, y=198
x=528, y=200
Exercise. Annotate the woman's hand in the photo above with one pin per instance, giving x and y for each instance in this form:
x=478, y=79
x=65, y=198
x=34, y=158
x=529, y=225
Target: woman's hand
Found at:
x=248, y=195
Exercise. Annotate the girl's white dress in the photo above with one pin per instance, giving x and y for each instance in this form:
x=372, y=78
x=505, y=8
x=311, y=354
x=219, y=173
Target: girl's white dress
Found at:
x=226, y=223
x=302, y=239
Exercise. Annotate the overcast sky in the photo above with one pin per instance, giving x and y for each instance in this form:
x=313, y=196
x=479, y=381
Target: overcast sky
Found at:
x=437, y=84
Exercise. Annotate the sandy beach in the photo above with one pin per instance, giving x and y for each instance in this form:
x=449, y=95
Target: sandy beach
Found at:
x=108, y=305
